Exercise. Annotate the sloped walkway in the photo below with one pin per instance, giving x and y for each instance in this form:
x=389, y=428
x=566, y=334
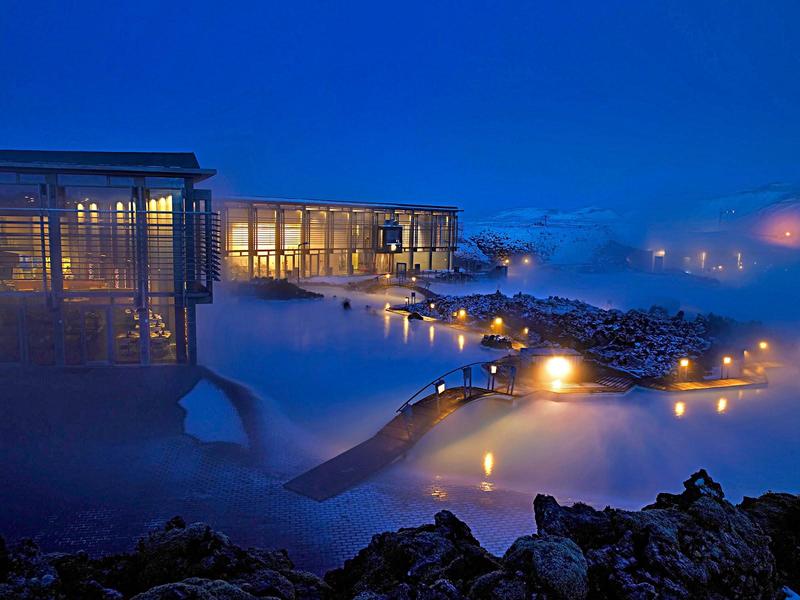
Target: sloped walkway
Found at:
x=390, y=443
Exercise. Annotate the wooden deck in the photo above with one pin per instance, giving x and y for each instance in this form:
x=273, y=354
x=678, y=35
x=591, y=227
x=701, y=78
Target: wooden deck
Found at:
x=712, y=384
x=395, y=439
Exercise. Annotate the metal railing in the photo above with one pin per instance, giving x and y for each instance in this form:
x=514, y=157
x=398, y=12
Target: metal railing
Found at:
x=467, y=373
x=108, y=249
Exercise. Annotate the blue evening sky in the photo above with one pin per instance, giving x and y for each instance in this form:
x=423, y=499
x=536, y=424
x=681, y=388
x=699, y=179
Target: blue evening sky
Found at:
x=483, y=104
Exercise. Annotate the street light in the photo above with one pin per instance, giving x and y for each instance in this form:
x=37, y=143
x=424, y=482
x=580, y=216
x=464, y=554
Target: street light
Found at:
x=462, y=312
x=763, y=345
x=498, y=321
x=432, y=305
x=726, y=363
x=557, y=367
x=684, y=364
x=440, y=386
x=492, y=373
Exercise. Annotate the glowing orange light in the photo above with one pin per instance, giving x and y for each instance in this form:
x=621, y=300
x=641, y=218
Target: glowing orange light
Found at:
x=722, y=405
x=498, y=320
x=462, y=312
x=684, y=362
x=763, y=345
x=726, y=360
x=488, y=463
x=680, y=409
x=558, y=367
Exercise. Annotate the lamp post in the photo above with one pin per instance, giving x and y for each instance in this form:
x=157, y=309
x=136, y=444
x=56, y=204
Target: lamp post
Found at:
x=440, y=386
x=300, y=267
x=683, y=372
x=726, y=364
x=467, y=372
x=492, y=373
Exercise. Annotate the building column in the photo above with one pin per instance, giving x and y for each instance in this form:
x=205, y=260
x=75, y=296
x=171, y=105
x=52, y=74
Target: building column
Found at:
x=184, y=269
x=278, y=241
x=412, y=240
x=328, y=240
x=191, y=338
x=55, y=298
x=434, y=222
x=350, y=249
x=142, y=294
x=252, y=238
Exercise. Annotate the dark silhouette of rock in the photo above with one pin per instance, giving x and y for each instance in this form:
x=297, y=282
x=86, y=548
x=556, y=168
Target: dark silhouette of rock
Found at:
x=430, y=559
x=694, y=544
x=415, y=316
x=268, y=288
x=196, y=589
x=779, y=516
x=551, y=564
x=689, y=545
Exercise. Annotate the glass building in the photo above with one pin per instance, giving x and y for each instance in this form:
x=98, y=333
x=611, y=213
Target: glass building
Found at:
x=103, y=256
x=280, y=237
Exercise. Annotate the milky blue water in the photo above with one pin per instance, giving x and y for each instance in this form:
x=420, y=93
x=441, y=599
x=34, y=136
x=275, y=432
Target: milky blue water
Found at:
x=330, y=378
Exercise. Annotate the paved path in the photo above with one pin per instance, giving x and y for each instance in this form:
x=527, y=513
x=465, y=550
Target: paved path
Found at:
x=350, y=468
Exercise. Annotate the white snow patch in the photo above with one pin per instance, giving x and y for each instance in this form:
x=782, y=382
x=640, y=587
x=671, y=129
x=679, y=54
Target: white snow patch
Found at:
x=210, y=416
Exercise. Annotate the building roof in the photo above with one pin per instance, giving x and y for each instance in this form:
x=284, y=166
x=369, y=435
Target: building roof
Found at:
x=343, y=203
x=147, y=163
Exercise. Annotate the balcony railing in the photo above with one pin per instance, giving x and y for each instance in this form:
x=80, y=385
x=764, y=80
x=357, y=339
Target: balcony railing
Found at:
x=160, y=251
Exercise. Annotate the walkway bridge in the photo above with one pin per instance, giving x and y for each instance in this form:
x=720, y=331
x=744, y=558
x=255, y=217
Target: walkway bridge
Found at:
x=415, y=283
x=415, y=417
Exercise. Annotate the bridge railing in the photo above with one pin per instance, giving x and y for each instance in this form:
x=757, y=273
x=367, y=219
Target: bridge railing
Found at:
x=493, y=369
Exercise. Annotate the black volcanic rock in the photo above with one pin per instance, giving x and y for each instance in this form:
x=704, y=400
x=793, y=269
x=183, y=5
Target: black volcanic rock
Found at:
x=692, y=545
x=551, y=564
x=439, y=560
x=779, y=516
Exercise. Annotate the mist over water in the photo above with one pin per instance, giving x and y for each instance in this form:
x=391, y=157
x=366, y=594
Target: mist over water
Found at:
x=330, y=378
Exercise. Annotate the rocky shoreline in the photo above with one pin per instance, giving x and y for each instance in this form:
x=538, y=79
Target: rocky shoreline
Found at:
x=694, y=544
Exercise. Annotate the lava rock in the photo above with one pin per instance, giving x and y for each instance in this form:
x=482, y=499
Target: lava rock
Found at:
x=550, y=564
x=779, y=516
x=268, y=288
x=195, y=589
x=415, y=558
x=695, y=544
x=493, y=340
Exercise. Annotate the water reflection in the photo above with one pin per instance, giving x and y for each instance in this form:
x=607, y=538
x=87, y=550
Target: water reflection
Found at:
x=722, y=405
x=680, y=409
x=460, y=342
x=431, y=334
x=488, y=463
x=405, y=330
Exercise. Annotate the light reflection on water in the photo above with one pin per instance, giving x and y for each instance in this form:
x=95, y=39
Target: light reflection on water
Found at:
x=337, y=376
x=623, y=450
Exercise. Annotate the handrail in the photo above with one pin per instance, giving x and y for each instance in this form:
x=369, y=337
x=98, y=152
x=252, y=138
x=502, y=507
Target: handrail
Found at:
x=442, y=376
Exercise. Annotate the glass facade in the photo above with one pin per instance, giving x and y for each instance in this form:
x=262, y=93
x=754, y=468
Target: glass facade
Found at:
x=277, y=238
x=101, y=268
